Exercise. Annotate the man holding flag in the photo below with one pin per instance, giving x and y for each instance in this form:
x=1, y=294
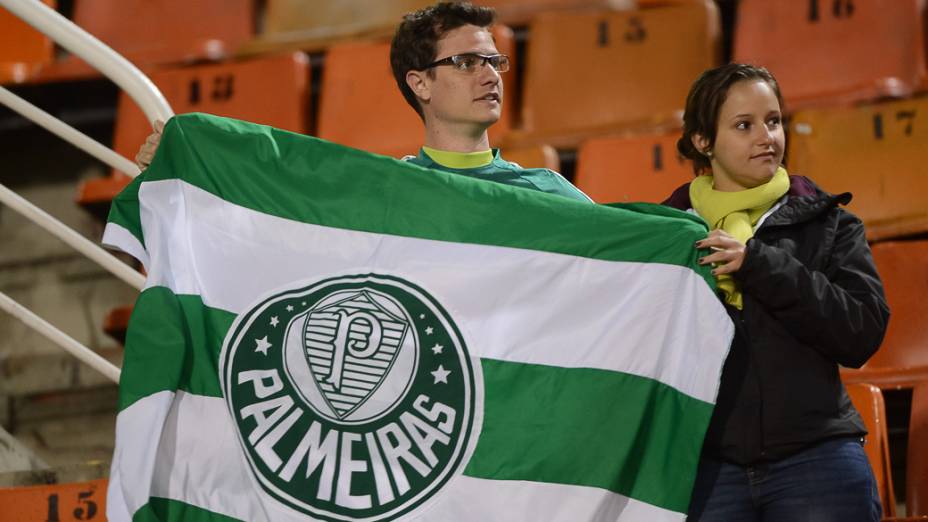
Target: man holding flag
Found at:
x=326, y=334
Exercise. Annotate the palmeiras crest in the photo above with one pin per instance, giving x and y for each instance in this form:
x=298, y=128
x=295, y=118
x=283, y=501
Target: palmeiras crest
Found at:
x=354, y=397
x=351, y=345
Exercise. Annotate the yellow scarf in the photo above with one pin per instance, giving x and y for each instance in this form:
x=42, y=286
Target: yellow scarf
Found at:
x=736, y=213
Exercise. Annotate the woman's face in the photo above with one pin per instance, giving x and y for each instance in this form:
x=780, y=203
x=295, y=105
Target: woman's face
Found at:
x=749, y=141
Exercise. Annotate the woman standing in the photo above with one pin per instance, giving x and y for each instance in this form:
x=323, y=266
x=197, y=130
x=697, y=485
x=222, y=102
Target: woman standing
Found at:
x=798, y=280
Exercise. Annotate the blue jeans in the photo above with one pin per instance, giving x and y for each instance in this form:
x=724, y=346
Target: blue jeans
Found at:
x=831, y=481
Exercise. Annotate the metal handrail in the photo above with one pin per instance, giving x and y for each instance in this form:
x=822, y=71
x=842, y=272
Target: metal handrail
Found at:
x=84, y=354
x=68, y=133
x=72, y=238
x=81, y=43
x=152, y=103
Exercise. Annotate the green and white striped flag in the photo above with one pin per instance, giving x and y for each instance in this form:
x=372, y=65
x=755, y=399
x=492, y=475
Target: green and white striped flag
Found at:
x=327, y=334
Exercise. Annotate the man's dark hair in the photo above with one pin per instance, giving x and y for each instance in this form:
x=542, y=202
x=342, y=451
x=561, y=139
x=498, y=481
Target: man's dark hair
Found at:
x=416, y=40
x=704, y=103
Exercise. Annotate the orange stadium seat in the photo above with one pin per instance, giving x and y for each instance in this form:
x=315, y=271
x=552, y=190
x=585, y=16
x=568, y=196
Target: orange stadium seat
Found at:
x=59, y=502
x=654, y=3
x=869, y=402
x=834, y=51
x=520, y=12
x=315, y=24
x=23, y=50
x=916, y=481
x=168, y=31
x=631, y=168
x=874, y=151
x=589, y=73
x=902, y=360
x=116, y=322
x=150, y=32
x=304, y=23
x=372, y=114
x=236, y=89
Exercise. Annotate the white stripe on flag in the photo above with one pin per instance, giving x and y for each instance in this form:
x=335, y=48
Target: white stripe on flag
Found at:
x=136, y=454
x=211, y=473
x=117, y=236
x=501, y=317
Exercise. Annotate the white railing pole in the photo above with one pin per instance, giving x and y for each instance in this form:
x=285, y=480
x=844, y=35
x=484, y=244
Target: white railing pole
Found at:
x=94, y=52
x=84, y=354
x=72, y=238
x=68, y=133
x=152, y=103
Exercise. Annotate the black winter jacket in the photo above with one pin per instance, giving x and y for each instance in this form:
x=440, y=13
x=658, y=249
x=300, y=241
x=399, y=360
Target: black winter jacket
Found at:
x=812, y=300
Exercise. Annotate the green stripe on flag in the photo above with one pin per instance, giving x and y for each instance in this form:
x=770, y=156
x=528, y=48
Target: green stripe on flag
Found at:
x=164, y=509
x=579, y=425
x=587, y=423
x=124, y=210
x=173, y=343
x=256, y=167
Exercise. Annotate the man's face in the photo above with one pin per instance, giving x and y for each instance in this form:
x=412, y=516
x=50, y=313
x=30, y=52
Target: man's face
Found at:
x=460, y=98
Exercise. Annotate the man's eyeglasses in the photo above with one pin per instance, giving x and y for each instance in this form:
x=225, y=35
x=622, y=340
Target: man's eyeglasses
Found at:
x=468, y=62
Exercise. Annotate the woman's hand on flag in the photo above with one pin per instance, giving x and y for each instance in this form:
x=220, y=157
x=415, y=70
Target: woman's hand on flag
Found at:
x=727, y=252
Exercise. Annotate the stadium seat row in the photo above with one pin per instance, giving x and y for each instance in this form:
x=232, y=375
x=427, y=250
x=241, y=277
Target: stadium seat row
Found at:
x=871, y=150
x=144, y=32
x=634, y=66
x=823, y=51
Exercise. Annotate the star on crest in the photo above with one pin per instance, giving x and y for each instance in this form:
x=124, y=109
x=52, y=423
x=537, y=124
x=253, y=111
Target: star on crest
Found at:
x=274, y=321
x=440, y=375
x=262, y=345
x=289, y=308
x=429, y=330
x=437, y=348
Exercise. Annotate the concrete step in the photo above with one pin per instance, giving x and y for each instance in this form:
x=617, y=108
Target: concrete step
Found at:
x=36, y=373
x=16, y=456
x=69, y=427
x=72, y=473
